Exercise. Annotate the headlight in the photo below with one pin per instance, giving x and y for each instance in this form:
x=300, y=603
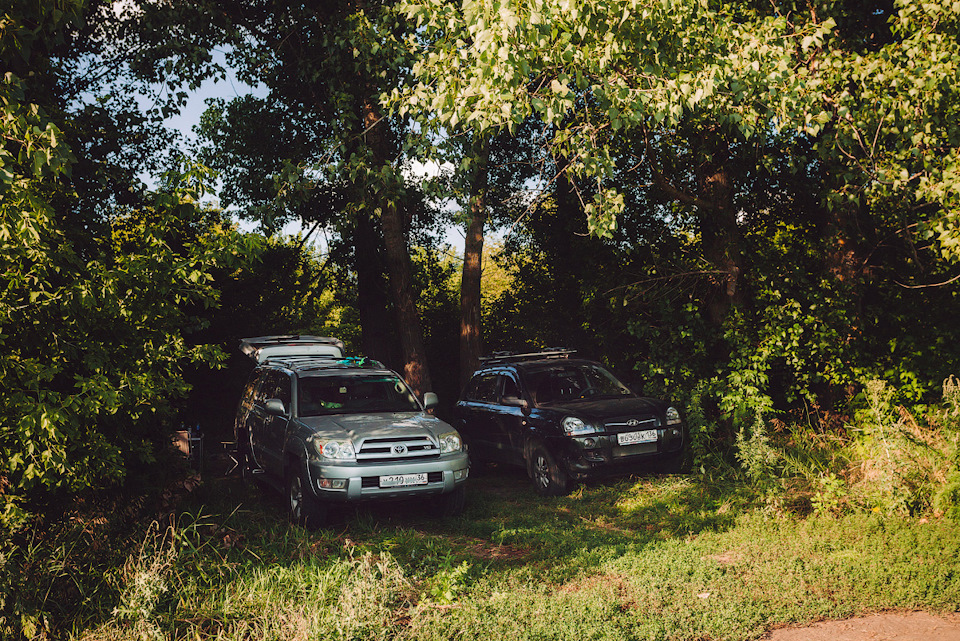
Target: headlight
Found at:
x=573, y=426
x=335, y=450
x=673, y=416
x=450, y=442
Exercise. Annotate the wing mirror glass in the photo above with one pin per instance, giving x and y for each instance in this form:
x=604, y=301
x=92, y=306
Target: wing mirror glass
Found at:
x=275, y=407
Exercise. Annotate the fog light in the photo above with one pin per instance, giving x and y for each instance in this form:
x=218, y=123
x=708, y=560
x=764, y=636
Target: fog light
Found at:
x=589, y=443
x=332, y=484
x=460, y=474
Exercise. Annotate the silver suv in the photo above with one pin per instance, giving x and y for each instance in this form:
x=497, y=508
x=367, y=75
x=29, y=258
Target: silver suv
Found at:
x=326, y=429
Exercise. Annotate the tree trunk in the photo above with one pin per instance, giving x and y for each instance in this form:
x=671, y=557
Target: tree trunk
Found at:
x=372, y=292
x=719, y=232
x=471, y=344
x=415, y=370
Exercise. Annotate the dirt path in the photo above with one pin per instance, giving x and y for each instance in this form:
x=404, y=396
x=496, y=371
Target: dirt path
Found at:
x=909, y=626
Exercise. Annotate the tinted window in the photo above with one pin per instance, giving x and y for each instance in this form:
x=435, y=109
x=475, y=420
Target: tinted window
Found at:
x=483, y=388
x=275, y=385
x=573, y=382
x=321, y=395
x=510, y=387
x=268, y=384
x=251, y=387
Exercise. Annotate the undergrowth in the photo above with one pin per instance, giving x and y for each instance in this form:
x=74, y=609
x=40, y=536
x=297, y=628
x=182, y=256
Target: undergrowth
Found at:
x=805, y=520
x=886, y=458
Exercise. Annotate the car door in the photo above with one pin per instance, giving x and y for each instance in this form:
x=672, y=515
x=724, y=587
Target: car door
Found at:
x=511, y=421
x=267, y=430
x=275, y=427
x=474, y=414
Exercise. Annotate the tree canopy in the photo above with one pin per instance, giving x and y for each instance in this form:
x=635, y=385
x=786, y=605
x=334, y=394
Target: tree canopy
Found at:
x=748, y=207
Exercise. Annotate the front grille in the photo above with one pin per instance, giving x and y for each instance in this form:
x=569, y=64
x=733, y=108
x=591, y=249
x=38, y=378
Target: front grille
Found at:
x=385, y=450
x=631, y=424
x=374, y=481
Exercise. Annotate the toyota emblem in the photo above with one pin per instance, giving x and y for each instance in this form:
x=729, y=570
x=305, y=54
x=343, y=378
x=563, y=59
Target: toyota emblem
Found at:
x=399, y=449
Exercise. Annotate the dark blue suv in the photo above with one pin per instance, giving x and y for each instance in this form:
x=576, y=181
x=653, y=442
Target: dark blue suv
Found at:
x=564, y=419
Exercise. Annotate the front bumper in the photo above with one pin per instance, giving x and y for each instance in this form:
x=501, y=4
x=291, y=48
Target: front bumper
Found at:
x=607, y=458
x=361, y=482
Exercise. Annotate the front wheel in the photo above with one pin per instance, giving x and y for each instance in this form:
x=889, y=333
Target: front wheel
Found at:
x=304, y=510
x=549, y=479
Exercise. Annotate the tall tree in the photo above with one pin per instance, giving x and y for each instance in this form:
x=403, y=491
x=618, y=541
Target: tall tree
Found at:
x=324, y=64
x=99, y=289
x=471, y=337
x=878, y=103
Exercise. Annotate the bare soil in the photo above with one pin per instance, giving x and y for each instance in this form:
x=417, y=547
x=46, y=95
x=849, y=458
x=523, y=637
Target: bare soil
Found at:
x=891, y=626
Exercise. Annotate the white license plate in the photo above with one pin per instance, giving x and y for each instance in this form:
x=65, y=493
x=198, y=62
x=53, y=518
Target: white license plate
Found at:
x=631, y=438
x=402, y=480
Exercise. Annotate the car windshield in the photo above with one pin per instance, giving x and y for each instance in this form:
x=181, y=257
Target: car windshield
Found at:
x=319, y=395
x=574, y=382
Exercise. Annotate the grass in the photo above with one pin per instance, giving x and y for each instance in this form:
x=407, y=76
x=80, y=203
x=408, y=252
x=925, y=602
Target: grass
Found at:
x=640, y=558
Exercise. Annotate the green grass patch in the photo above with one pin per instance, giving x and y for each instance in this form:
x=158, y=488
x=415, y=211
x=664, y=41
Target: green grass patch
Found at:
x=640, y=558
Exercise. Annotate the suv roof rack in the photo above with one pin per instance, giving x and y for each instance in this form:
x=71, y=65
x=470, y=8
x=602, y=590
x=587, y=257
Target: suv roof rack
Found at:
x=515, y=357
x=249, y=345
x=323, y=361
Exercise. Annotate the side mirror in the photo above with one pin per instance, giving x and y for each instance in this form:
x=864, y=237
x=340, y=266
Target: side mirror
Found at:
x=430, y=400
x=274, y=407
x=515, y=401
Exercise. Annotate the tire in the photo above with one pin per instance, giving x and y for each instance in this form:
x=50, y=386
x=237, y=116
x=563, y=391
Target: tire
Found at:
x=549, y=479
x=451, y=504
x=303, y=508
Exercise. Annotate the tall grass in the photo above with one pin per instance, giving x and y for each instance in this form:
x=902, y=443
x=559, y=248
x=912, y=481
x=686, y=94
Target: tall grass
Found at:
x=888, y=458
x=825, y=522
x=658, y=557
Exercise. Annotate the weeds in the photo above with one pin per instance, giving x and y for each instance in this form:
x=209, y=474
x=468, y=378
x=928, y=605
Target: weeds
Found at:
x=887, y=459
x=647, y=557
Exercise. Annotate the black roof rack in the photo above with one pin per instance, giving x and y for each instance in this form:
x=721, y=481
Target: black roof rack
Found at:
x=516, y=357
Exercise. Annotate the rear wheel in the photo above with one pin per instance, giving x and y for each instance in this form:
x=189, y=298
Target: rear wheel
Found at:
x=549, y=479
x=304, y=509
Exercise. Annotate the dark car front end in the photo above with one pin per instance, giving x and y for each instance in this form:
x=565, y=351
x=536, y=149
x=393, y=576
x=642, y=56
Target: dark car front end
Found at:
x=612, y=436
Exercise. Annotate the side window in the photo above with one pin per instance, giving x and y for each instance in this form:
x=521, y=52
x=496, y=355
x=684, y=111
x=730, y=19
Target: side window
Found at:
x=250, y=389
x=268, y=386
x=263, y=382
x=282, y=390
x=483, y=388
x=510, y=387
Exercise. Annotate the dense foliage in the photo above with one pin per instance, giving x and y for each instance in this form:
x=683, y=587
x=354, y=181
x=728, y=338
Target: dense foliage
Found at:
x=748, y=208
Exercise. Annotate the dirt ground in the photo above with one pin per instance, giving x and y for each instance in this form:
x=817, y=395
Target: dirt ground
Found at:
x=899, y=626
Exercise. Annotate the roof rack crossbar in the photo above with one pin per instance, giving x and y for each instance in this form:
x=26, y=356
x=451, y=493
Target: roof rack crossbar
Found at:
x=322, y=361
x=513, y=357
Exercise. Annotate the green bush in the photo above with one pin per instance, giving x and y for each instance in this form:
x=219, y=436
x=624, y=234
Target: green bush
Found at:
x=885, y=459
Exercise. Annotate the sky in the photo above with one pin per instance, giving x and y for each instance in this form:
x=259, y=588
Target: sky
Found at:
x=231, y=87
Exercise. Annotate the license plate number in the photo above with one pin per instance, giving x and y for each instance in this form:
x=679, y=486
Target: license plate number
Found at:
x=631, y=438
x=402, y=480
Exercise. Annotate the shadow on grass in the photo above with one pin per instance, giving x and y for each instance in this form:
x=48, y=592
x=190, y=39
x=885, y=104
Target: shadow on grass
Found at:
x=505, y=524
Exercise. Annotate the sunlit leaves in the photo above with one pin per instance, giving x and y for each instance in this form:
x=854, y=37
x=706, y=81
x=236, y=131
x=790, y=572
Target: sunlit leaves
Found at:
x=591, y=68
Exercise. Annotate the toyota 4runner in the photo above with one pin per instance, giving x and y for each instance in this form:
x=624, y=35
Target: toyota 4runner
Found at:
x=327, y=429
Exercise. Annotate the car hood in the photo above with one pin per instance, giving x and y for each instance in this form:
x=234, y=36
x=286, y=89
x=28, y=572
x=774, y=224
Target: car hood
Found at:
x=380, y=425
x=610, y=407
